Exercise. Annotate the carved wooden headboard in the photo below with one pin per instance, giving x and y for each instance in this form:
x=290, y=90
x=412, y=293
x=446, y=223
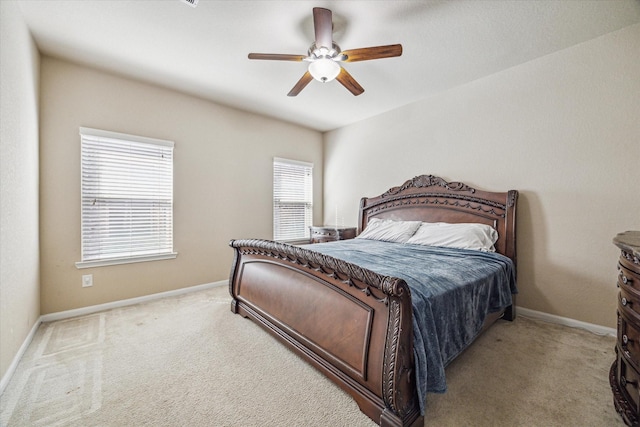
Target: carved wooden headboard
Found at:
x=430, y=198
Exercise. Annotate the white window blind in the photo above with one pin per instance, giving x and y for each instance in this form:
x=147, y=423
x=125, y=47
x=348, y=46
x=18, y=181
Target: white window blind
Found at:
x=292, y=199
x=127, y=198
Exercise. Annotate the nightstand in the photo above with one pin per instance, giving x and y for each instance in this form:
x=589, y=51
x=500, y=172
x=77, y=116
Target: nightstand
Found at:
x=329, y=233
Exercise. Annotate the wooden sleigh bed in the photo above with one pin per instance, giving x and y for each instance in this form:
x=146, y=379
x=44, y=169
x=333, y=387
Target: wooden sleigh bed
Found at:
x=351, y=323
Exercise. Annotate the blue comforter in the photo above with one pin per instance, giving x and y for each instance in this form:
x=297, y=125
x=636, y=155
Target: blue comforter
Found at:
x=452, y=291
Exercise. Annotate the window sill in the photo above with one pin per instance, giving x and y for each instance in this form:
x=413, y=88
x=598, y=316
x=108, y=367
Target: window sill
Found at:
x=126, y=260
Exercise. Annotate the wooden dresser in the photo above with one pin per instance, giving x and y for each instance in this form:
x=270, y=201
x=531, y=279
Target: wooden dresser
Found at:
x=328, y=233
x=625, y=371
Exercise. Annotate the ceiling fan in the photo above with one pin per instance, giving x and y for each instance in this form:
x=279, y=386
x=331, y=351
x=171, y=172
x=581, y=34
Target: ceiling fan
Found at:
x=324, y=56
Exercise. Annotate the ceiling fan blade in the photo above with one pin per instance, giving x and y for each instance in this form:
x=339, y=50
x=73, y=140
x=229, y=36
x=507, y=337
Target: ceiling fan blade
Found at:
x=323, y=27
x=376, y=52
x=302, y=83
x=349, y=82
x=277, y=57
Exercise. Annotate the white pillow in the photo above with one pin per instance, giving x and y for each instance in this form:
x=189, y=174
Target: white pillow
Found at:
x=480, y=237
x=389, y=231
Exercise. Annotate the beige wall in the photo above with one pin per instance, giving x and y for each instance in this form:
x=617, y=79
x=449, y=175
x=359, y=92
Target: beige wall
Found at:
x=564, y=130
x=222, y=180
x=19, y=247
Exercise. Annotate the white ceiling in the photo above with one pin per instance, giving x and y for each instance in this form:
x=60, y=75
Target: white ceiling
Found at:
x=203, y=50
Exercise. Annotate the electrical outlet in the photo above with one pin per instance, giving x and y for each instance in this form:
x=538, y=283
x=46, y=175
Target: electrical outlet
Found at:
x=87, y=280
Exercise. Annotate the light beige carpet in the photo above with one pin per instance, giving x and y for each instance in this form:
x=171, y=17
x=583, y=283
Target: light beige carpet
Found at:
x=188, y=361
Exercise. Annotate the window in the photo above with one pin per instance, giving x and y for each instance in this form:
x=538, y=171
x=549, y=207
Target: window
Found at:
x=127, y=198
x=292, y=199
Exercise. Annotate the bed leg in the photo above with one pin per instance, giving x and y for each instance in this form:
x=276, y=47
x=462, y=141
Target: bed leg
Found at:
x=234, y=306
x=510, y=312
x=389, y=419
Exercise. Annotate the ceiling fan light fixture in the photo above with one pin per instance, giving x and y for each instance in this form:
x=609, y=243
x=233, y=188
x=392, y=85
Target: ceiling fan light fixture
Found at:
x=324, y=69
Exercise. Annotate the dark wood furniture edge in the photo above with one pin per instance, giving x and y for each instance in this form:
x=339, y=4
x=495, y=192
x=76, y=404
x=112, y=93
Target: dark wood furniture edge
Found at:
x=621, y=404
x=624, y=370
x=629, y=244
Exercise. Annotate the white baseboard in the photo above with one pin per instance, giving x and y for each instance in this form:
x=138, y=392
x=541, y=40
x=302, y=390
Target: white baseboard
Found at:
x=123, y=303
x=90, y=310
x=565, y=321
x=14, y=363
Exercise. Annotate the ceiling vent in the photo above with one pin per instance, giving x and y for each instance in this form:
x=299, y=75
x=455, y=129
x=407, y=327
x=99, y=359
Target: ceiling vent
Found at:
x=192, y=3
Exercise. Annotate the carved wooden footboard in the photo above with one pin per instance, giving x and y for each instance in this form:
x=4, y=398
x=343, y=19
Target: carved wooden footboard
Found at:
x=351, y=323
